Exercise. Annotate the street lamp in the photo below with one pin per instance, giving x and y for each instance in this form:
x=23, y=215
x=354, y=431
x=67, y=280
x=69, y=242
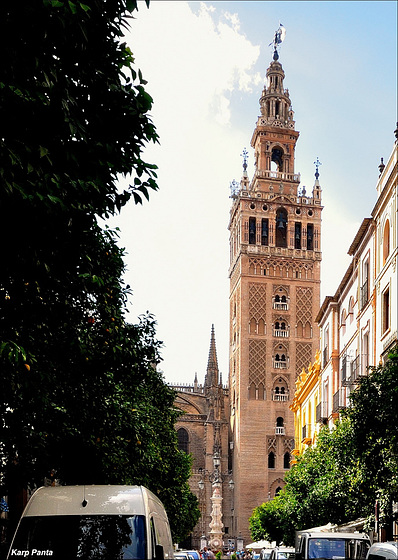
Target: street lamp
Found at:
x=215, y=476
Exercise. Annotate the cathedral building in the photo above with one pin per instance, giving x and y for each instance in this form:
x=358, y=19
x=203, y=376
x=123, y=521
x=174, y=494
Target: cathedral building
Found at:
x=244, y=435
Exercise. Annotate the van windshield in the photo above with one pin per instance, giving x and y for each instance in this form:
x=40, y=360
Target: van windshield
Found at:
x=92, y=537
x=345, y=549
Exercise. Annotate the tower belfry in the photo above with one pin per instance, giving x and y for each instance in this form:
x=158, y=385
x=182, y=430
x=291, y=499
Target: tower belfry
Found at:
x=275, y=256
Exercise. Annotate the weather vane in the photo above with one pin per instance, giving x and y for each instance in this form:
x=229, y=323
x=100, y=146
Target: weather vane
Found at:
x=279, y=36
x=317, y=163
x=245, y=155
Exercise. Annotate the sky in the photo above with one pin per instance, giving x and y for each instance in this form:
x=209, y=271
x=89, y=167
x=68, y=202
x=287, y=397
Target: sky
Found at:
x=205, y=64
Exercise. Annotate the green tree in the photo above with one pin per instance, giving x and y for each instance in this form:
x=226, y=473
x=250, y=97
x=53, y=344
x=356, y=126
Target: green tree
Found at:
x=80, y=397
x=325, y=485
x=350, y=467
x=374, y=418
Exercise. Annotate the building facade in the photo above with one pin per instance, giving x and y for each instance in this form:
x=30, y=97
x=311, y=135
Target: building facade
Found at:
x=275, y=257
x=203, y=431
x=358, y=325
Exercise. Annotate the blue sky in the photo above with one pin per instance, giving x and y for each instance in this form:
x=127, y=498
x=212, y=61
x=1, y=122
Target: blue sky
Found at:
x=205, y=63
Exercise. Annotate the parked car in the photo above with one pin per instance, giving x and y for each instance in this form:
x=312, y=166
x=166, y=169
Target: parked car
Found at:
x=187, y=554
x=383, y=551
x=283, y=553
x=194, y=553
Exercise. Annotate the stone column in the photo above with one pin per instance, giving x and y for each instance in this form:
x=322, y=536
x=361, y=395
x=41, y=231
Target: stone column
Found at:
x=216, y=524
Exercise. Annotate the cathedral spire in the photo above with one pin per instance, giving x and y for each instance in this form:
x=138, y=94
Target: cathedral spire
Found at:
x=211, y=377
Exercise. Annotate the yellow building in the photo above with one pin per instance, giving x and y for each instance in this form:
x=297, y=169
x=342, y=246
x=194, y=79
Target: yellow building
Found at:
x=305, y=406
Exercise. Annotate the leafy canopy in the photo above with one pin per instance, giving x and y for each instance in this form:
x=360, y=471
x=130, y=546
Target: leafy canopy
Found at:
x=81, y=400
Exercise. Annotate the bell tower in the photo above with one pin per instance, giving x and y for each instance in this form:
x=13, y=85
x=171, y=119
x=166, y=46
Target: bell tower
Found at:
x=275, y=257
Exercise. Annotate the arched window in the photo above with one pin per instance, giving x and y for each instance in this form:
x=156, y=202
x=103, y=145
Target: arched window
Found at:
x=183, y=440
x=278, y=490
x=252, y=231
x=343, y=321
x=252, y=391
x=351, y=309
x=271, y=460
x=277, y=158
x=279, y=422
x=286, y=460
x=386, y=241
x=281, y=228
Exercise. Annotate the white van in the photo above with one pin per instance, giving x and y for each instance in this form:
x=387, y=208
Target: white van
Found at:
x=383, y=551
x=334, y=545
x=93, y=523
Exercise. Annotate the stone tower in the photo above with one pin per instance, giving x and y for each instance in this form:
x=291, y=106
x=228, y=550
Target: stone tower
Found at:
x=275, y=257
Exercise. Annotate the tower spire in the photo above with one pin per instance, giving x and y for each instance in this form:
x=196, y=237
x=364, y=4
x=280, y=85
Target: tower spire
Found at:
x=211, y=377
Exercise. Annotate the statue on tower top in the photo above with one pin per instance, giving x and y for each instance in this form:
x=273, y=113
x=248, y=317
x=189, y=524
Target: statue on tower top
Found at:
x=279, y=37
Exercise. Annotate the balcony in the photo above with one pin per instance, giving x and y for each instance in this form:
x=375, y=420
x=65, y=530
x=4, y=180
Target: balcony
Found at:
x=364, y=297
x=278, y=364
x=279, y=430
x=280, y=305
x=306, y=434
x=339, y=401
x=281, y=397
x=355, y=369
x=345, y=372
x=281, y=176
x=281, y=333
x=322, y=412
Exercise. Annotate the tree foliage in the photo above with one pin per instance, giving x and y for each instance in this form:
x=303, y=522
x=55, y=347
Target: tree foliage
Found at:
x=374, y=418
x=80, y=397
x=350, y=467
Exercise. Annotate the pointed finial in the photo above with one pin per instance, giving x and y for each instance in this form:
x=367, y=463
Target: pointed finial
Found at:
x=381, y=166
x=245, y=155
x=317, y=163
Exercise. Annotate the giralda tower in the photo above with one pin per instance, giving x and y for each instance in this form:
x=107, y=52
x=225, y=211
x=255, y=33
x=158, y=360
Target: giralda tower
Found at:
x=275, y=257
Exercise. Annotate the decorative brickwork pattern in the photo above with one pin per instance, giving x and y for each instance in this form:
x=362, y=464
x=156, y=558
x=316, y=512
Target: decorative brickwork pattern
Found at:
x=257, y=355
x=303, y=355
x=288, y=444
x=271, y=444
x=304, y=305
x=281, y=268
x=257, y=301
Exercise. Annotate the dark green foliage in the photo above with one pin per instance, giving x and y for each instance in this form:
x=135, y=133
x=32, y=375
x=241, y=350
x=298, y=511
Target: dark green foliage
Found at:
x=80, y=397
x=374, y=419
x=351, y=466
